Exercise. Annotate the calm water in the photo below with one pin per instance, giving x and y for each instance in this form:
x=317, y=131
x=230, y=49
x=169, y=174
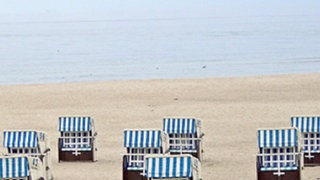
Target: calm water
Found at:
x=73, y=51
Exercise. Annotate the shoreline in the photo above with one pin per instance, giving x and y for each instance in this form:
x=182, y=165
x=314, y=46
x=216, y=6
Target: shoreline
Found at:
x=158, y=79
x=231, y=110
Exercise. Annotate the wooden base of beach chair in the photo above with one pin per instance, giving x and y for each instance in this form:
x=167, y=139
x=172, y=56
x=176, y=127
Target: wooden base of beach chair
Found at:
x=315, y=161
x=196, y=154
x=130, y=174
x=70, y=156
x=288, y=175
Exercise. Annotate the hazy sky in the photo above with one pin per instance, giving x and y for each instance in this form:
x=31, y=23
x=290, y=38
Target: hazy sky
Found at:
x=110, y=9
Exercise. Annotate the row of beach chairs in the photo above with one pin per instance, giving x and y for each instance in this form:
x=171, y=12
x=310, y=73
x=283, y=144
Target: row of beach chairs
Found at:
x=174, y=152
x=27, y=155
x=283, y=152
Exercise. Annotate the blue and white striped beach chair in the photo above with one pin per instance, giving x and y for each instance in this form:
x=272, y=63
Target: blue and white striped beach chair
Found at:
x=309, y=127
x=279, y=153
x=138, y=143
x=77, y=139
x=185, y=136
x=177, y=167
x=31, y=143
x=20, y=167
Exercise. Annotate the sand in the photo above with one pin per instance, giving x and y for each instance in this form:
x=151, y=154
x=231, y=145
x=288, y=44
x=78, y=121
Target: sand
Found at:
x=231, y=110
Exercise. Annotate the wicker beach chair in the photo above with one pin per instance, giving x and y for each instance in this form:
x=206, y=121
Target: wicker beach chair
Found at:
x=20, y=167
x=309, y=127
x=279, y=154
x=138, y=143
x=77, y=139
x=31, y=143
x=185, y=136
x=172, y=167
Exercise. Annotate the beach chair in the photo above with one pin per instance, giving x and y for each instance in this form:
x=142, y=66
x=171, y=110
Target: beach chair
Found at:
x=138, y=143
x=185, y=136
x=172, y=167
x=77, y=139
x=280, y=155
x=31, y=143
x=20, y=167
x=309, y=127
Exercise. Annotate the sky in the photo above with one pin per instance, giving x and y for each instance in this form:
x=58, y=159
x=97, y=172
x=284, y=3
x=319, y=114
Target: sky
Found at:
x=131, y=9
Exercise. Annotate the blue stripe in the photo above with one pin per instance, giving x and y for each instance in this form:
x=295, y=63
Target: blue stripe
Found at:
x=289, y=137
x=20, y=167
x=175, y=167
x=13, y=167
x=125, y=139
x=178, y=125
x=167, y=167
x=136, y=139
x=142, y=139
x=26, y=170
x=153, y=172
x=183, y=126
x=168, y=125
x=1, y=169
x=302, y=124
x=7, y=165
x=160, y=167
x=308, y=121
x=153, y=139
x=264, y=138
x=14, y=139
x=64, y=124
x=181, y=166
x=148, y=137
x=130, y=139
x=189, y=167
x=193, y=126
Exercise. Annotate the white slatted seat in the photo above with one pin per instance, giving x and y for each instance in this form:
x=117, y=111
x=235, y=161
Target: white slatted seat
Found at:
x=77, y=135
x=138, y=143
x=173, y=167
x=309, y=127
x=31, y=143
x=185, y=135
x=20, y=167
x=279, y=150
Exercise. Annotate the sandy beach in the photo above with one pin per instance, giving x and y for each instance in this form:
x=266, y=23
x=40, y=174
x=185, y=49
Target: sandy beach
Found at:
x=231, y=110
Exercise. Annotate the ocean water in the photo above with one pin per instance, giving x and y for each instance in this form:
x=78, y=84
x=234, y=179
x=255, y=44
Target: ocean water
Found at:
x=101, y=50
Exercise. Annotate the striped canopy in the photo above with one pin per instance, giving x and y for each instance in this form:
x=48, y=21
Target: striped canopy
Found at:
x=179, y=125
x=20, y=139
x=268, y=138
x=74, y=124
x=306, y=124
x=142, y=138
x=13, y=167
x=168, y=167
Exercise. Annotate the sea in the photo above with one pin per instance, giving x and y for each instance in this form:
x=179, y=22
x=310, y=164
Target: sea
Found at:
x=82, y=50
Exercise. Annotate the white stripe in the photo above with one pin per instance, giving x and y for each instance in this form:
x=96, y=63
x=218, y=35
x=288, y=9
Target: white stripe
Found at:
x=185, y=168
x=170, y=168
x=21, y=139
x=164, y=162
x=280, y=137
x=133, y=139
x=316, y=124
x=267, y=139
x=81, y=126
x=177, y=173
x=139, y=139
x=157, y=168
x=305, y=128
x=4, y=167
